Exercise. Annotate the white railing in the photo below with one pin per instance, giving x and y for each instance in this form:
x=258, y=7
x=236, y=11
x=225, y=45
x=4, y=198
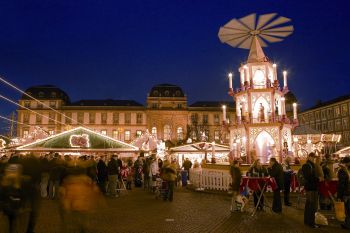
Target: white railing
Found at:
x=210, y=179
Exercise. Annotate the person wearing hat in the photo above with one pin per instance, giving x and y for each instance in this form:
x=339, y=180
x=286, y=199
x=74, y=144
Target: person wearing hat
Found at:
x=343, y=190
x=311, y=189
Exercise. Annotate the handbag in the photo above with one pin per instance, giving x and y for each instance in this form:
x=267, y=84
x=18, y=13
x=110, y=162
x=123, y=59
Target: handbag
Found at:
x=339, y=208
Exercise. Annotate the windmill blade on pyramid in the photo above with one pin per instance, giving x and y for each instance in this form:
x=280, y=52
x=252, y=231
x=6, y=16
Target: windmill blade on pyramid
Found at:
x=267, y=28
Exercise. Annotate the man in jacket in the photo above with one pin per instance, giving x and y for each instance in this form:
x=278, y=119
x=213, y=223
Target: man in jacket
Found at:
x=112, y=176
x=287, y=172
x=343, y=191
x=169, y=175
x=311, y=183
x=276, y=171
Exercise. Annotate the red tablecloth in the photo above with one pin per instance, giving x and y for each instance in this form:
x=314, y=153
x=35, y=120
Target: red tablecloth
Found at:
x=328, y=186
x=257, y=183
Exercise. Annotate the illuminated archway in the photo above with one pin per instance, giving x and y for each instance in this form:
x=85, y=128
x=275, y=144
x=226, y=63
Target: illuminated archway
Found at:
x=264, y=146
x=261, y=100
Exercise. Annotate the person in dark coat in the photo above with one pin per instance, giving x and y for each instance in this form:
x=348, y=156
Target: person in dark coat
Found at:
x=288, y=172
x=102, y=175
x=311, y=188
x=276, y=171
x=257, y=170
x=343, y=190
x=113, y=172
x=236, y=176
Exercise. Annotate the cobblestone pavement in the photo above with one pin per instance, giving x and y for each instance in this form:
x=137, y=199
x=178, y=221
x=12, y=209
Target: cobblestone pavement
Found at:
x=139, y=211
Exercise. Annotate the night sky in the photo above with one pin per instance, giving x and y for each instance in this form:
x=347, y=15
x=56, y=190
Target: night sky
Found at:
x=120, y=49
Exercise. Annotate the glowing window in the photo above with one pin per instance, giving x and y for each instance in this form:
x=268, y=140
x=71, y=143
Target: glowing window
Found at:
x=167, y=132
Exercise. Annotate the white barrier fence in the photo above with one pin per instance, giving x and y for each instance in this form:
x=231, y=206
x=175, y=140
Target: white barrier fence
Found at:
x=210, y=179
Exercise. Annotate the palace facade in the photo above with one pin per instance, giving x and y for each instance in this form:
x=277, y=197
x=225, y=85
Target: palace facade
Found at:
x=166, y=114
x=329, y=117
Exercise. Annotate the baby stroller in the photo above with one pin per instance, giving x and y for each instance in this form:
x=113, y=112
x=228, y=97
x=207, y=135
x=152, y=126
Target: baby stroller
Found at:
x=161, y=188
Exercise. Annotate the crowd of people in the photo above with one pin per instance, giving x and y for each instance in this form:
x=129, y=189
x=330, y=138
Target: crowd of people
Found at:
x=80, y=183
x=316, y=169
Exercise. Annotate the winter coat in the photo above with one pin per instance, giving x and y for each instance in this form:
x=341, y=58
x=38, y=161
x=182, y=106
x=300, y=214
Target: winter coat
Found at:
x=276, y=171
x=169, y=172
x=343, y=183
x=102, y=171
x=113, y=168
x=310, y=176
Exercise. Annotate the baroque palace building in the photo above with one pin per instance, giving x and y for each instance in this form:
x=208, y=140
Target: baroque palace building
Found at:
x=329, y=117
x=166, y=114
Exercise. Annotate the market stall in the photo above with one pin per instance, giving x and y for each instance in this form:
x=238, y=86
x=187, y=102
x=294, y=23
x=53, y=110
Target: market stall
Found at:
x=199, y=151
x=80, y=140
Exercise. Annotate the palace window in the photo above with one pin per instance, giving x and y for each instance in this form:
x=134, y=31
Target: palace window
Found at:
x=154, y=131
x=330, y=113
x=25, y=133
x=323, y=114
x=39, y=106
x=216, y=119
x=139, y=118
x=26, y=117
x=330, y=125
x=80, y=117
x=138, y=133
x=317, y=115
x=115, y=134
x=38, y=119
x=324, y=127
x=92, y=117
x=205, y=119
x=318, y=126
x=53, y=104
x=179, y=106
x=52, y=117
x=344, y=110
x=345, y=123
x=338, y=124
x=154, y=105
x=51, y=132
x=68, y=118
x=116, y=118
x=127, y=135
x=104, y=132
x=179, y=133
x=217, y=135
x=27, y=104
x=103, y=118
x=167, y=132
x=127, y=118
x=194, y=118
x=337, y=111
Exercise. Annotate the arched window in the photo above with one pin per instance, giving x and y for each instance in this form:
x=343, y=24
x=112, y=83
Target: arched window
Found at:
x=154, y=131
x=167, y=132
x=259, y=79
x=179, y=133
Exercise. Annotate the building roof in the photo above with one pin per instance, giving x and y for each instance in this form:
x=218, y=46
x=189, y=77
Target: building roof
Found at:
x=79, y=139
x=329, y=102
x=45, y=92
x=107, y=102
x=212, y=104
x=166, y=90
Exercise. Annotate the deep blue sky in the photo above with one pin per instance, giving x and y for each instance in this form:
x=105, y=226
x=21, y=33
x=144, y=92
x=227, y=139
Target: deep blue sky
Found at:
x=120, y=49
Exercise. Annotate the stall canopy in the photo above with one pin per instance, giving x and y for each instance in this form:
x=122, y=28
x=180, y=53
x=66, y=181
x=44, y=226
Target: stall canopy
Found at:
x=200, y=147
x=79, y=139
x=343, y=152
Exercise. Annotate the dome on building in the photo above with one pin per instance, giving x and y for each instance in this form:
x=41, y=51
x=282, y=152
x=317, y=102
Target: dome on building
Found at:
x=46, y=92
x=166, y=90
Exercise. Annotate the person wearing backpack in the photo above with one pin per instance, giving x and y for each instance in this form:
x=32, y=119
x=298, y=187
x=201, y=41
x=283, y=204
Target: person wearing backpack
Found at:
x=311, y=188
